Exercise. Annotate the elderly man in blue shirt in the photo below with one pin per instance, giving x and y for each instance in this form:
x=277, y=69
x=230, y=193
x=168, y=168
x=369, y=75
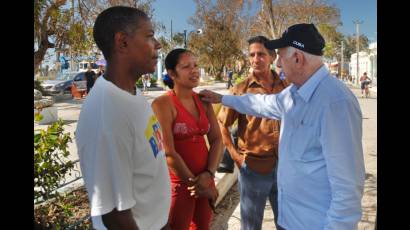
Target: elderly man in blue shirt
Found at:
x=321, y=168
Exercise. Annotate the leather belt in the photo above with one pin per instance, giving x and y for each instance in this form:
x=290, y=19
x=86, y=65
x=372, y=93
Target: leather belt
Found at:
x=257, y=156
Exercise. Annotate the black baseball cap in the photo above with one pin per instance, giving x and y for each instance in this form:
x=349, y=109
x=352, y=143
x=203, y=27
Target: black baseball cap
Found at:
x=301, y=36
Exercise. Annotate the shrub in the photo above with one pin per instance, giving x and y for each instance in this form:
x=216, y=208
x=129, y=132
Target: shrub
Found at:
x=153, y=82
x=50, y=160
x=139, y=83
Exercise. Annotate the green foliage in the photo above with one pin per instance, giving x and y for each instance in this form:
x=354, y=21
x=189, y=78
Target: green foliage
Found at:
x=139, y=83
x=165, y=45
x=168, y=45
x=152, y=80
x=65, y=25
x=38, y=117
x=178, y=38
x=238, y=78
x=350, y=44
x=220, y=43
x=51, y=162
x=80, y=38
x=333, y=40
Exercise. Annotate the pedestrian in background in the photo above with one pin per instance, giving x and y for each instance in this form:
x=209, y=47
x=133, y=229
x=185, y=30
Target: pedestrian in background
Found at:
x=229, y=82
x=89, y=77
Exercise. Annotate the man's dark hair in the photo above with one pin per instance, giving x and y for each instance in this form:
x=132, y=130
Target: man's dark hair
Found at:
x=261, y=39
x=112, y=20
x=171, y=61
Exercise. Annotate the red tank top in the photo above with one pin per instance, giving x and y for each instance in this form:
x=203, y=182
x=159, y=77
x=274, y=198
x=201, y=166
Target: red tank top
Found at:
x=188, y=135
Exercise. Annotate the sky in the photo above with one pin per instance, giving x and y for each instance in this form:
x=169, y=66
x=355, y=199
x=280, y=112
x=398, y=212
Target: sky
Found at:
x=365, y=10
x=179, y=11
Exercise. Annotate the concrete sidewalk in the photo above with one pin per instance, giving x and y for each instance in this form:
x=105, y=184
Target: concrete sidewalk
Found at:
x=69, y=111
x=373, y=88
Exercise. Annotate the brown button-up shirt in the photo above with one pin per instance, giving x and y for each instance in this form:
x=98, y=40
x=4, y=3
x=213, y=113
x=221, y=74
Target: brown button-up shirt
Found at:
x=256, y=136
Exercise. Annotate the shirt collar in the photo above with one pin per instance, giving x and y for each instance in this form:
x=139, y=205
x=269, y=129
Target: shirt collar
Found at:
x=307, y=89
x=253, y=79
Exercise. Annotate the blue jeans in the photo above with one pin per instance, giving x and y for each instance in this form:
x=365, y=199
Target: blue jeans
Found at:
x=254, y=189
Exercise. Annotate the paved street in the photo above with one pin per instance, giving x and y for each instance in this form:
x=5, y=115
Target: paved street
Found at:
x=69, y=111
x=229, y=217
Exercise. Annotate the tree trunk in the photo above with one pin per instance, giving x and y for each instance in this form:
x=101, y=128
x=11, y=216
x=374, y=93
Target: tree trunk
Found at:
x=219, y=73
x=41, y=52
x=45, y=32
x=271, y=21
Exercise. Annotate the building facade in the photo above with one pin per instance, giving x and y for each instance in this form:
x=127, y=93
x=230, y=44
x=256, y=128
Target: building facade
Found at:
x=367, y=63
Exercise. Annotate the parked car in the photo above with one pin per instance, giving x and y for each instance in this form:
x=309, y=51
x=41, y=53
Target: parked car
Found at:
x=62, y=84
x=83, y=66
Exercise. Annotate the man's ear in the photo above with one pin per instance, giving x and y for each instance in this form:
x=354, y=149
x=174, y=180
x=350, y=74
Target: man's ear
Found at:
x=300, y=58
x=120, y=42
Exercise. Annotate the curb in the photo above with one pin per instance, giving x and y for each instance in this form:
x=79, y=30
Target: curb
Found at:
x=224, y=182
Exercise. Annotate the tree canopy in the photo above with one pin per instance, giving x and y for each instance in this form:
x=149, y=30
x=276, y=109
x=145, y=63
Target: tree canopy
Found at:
x=227, y=25
x=67, y=25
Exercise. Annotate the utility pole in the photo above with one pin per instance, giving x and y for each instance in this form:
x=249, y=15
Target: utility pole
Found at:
x=185, y=39
x=342, y=62
x=357, y=22
x=171, y=31
x=71, y=22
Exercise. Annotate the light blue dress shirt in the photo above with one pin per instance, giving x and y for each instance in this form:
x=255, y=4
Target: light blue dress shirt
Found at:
x=321, y=168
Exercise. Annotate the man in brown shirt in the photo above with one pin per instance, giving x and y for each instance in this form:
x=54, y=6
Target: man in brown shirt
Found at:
x=257, y=151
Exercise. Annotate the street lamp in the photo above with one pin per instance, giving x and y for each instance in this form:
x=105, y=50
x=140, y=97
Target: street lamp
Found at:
x=198, y=31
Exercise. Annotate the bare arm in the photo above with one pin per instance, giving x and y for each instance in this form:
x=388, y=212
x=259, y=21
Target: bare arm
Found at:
x=121, y=220
x=163, y=111
x=204, y=184
x=214, y=139
x=258, y=105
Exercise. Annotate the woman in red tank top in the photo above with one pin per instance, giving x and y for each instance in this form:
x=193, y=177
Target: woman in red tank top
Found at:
x=185, y=120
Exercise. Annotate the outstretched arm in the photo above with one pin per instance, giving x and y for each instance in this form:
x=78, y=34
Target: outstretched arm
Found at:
x=204, y=181
x=258, y=105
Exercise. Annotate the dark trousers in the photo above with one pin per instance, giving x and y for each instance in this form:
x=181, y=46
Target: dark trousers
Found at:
x=89, y=86
x=227, y=164
x=229, y=84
